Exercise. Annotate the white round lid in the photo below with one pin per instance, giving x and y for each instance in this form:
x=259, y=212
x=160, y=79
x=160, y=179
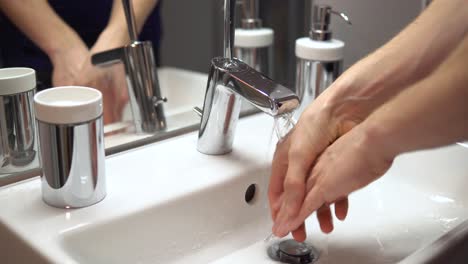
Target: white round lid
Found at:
x=68, y=105
x=17, y=80
x=330, y=50
x=253, y=38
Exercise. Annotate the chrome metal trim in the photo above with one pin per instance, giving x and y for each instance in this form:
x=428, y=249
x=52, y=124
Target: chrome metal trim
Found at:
x=258, y=58
x=313, y=77
x=18, y=142
x=228, y=81
x=73, y=163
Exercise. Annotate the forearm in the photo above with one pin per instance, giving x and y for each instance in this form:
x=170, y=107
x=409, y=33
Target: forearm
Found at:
x=37, y=20
x=411, y=55
x=431, y=113
x=116, y=32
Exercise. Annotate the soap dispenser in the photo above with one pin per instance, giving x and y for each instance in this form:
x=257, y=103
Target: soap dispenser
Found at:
x=319, y=56
x=253, y=42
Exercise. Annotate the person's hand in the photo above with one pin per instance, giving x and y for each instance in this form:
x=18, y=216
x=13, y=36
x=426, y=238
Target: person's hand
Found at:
x=346, y=103
x=317, y=128
x=111, y=82
x=68, y=62
x=73, y=67
x=350, y=163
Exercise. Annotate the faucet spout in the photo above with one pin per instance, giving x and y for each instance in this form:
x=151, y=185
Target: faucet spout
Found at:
x=228, y=82
x=264, y=93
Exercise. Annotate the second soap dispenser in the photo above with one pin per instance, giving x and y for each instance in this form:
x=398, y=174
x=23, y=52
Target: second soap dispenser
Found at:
x=319, y=57
x=253, y=42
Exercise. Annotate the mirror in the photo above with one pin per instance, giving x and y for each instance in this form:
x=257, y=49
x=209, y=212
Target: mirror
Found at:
x=184, y=42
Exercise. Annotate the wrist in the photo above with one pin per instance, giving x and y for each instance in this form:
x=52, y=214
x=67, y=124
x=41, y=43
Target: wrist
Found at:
x=366, y=86
x=113, y=36
x=382, y=133
x=65, y=47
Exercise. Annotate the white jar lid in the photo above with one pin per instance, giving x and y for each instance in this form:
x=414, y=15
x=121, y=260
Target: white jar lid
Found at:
x=68, y=105
x=253, y=38
x=17, y=80
x=330, y=50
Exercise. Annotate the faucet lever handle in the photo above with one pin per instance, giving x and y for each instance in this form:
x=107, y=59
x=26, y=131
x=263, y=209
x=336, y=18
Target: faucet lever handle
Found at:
x=157, y=101
x=108, y=57
x=198, y=111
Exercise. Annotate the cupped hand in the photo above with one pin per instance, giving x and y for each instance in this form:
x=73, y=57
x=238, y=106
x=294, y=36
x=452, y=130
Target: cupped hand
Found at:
x=111, y=82
x=350, y=163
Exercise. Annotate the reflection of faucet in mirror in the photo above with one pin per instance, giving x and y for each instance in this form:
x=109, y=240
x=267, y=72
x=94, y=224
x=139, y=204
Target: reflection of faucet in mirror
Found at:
x=142, y=80
x=229, y=80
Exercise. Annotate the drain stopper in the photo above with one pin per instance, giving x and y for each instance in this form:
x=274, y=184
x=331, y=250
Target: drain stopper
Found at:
x=292, y=252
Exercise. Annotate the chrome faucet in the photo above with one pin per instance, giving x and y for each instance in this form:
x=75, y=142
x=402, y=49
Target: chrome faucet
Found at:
x=230, y=80
x=141, y=74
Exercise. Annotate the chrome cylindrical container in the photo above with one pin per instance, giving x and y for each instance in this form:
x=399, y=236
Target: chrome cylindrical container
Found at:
x=70, y=127
x=255, y=48
x=313, y=77
x=258, y=58
x=18, y=139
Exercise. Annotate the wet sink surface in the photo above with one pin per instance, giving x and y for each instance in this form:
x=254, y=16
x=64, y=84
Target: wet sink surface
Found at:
x=167, y=203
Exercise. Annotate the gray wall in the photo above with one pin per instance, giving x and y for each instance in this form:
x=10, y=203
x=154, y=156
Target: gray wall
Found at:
x=374, y=23
x=193, y=29
x=189, y=32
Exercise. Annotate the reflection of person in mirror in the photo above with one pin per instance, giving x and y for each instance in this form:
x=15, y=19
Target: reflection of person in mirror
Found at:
x=57, y=38
x=410, y=94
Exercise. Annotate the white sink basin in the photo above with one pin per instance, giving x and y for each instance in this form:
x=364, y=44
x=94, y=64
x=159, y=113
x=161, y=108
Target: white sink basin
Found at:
x=167, y=203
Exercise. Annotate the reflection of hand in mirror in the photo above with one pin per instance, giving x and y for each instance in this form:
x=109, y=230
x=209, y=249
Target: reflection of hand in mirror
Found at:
x=111, y=82
x=67, y=63
x=75, y=68
x=60, y=45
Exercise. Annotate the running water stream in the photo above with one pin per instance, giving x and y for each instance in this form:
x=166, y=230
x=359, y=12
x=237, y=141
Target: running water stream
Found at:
x=282, y=125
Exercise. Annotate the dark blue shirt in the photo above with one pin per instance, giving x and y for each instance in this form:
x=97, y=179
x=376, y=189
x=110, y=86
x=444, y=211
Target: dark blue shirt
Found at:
x=87, y=17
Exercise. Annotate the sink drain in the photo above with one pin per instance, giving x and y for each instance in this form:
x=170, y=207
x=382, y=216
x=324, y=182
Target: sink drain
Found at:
x=250, y=193
x=293, y=252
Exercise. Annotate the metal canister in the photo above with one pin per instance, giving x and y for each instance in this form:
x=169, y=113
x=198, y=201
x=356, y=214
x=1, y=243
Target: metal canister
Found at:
x=70, y=126
x=18, y=140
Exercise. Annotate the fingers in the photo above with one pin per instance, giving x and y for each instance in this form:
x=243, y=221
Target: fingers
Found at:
x=278, y=173
x=300, y=233
x=325, y=219
x=294, y=186
x=275, y=207
x=306, y=144
x=300, y=160
x=312, y=203
x=341, y=208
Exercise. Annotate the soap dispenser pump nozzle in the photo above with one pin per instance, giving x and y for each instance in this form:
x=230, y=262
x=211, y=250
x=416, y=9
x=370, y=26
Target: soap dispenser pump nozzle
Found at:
x=321, y=22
